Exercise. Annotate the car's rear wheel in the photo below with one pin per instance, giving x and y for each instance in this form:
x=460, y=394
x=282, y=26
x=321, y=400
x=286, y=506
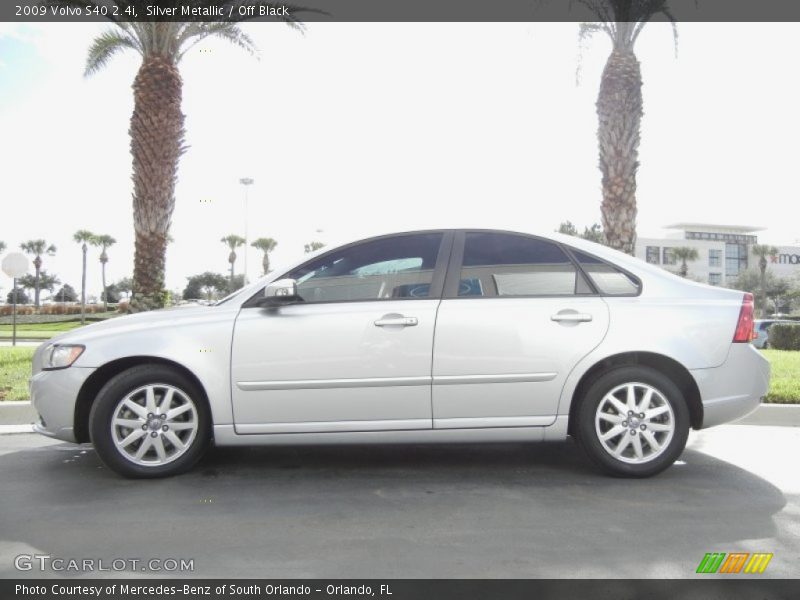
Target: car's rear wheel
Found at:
x=633, y=422
x=150, y=421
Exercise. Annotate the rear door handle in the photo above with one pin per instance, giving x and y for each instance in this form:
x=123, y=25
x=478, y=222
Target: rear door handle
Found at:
x=396, y=321
x=571, y=317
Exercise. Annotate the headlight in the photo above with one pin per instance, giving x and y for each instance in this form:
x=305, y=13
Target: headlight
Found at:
x=61, y=357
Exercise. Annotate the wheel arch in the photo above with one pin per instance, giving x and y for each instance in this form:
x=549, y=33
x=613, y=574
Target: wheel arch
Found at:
x=664, y=364
x=95, y=382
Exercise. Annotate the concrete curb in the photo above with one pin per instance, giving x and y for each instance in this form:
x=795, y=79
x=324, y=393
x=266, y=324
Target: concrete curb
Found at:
x=11, y=429
x=17, y=413
x=776, y=415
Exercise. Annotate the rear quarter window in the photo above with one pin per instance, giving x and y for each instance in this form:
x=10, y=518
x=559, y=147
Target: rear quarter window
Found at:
x=608, y=279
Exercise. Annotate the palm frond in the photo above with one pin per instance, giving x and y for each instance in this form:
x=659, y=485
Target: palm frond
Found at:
x=83, y=235
x=586, y=31
x=668, y=14
x=105, y=46
x=227, y=31
x=624, y=20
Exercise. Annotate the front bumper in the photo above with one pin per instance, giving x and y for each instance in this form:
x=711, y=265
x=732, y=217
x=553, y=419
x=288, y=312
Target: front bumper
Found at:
x=734, y=389
x=53, y=395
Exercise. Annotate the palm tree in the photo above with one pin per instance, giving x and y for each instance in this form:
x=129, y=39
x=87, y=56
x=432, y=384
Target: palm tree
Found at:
x=762, y=251
x=684, y=254
x=233, y=241
x=157, y=125
x=83, y=237
x=619, y=111
x=313, y=247
x=266, y=245
x=37, y=248
x=103, y=242
x=2, y=246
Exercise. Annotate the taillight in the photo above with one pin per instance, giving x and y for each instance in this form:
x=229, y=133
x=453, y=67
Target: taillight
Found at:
x=744, y=328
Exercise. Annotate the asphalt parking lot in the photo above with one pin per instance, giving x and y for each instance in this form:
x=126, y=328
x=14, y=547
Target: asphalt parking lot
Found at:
x=535, y=510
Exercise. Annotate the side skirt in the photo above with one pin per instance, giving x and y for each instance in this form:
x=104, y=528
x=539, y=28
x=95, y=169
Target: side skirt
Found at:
x=224, y=435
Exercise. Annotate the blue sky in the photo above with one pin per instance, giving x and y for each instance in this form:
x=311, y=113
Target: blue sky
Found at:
x=21, y=70
x=355, y=127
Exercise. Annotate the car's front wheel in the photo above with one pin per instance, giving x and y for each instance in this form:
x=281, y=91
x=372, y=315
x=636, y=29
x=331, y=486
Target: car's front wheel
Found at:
x=633, y=422
x=150, y=421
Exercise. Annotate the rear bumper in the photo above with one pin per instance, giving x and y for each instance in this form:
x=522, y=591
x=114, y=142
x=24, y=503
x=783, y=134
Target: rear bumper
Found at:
x=734, y=389
x=53, y=395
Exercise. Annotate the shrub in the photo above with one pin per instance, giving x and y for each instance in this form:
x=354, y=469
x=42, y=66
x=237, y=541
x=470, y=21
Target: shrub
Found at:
x=783, y=336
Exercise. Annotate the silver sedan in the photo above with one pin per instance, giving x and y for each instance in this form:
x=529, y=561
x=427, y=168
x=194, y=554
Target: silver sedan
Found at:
x=447, y=335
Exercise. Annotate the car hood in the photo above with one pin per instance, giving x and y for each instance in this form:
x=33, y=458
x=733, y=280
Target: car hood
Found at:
x=165, y=317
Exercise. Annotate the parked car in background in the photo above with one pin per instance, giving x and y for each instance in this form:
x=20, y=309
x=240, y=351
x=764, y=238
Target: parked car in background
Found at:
x=761, y=331
x=447, y=335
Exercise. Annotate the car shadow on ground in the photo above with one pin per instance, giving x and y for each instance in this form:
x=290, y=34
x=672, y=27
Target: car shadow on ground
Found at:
x=489, y=510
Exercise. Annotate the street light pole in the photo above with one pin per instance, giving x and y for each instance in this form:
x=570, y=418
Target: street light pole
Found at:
x=14, y=319
x=246, y=182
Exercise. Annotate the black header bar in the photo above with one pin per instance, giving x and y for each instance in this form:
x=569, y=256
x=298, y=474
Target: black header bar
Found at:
x=391, y=10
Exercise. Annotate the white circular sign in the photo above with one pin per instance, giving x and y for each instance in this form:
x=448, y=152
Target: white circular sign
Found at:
x=15, y=264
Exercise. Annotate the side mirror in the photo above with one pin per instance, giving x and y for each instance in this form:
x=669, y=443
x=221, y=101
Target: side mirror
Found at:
x=278, y=293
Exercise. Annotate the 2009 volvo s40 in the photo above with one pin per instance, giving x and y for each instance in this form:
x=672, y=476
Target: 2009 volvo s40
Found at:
x=457, y=335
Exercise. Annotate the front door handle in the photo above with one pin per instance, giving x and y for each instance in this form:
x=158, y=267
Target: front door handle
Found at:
x=571, y=317
x=396, y=321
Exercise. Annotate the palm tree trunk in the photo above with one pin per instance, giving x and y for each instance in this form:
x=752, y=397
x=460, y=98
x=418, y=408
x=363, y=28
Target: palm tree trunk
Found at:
x=684, y=269
x=37, y=263
x=83, y=287
x=265, y=263
x=105, y=289
x=619, y=112
x=157, y=135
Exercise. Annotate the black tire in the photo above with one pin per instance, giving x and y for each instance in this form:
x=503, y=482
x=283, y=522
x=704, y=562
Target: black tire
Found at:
x=112, y=394
x=588, y=437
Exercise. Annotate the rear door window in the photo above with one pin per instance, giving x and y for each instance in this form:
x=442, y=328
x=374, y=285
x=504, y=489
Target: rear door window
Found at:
x=504, y=264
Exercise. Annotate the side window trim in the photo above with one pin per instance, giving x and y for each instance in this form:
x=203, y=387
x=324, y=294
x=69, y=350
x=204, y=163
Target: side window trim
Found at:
x=437, y=282
x=453, y=278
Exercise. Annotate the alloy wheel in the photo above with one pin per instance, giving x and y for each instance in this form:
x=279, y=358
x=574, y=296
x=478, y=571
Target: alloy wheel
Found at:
x=154, y=424
x=634, y=423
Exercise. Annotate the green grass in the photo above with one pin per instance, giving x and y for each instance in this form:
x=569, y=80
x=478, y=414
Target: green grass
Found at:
x=38, y=331
x=784, y=386
x=15, y=369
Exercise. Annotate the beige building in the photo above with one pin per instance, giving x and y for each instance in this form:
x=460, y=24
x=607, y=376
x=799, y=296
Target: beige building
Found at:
x=724, y=252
